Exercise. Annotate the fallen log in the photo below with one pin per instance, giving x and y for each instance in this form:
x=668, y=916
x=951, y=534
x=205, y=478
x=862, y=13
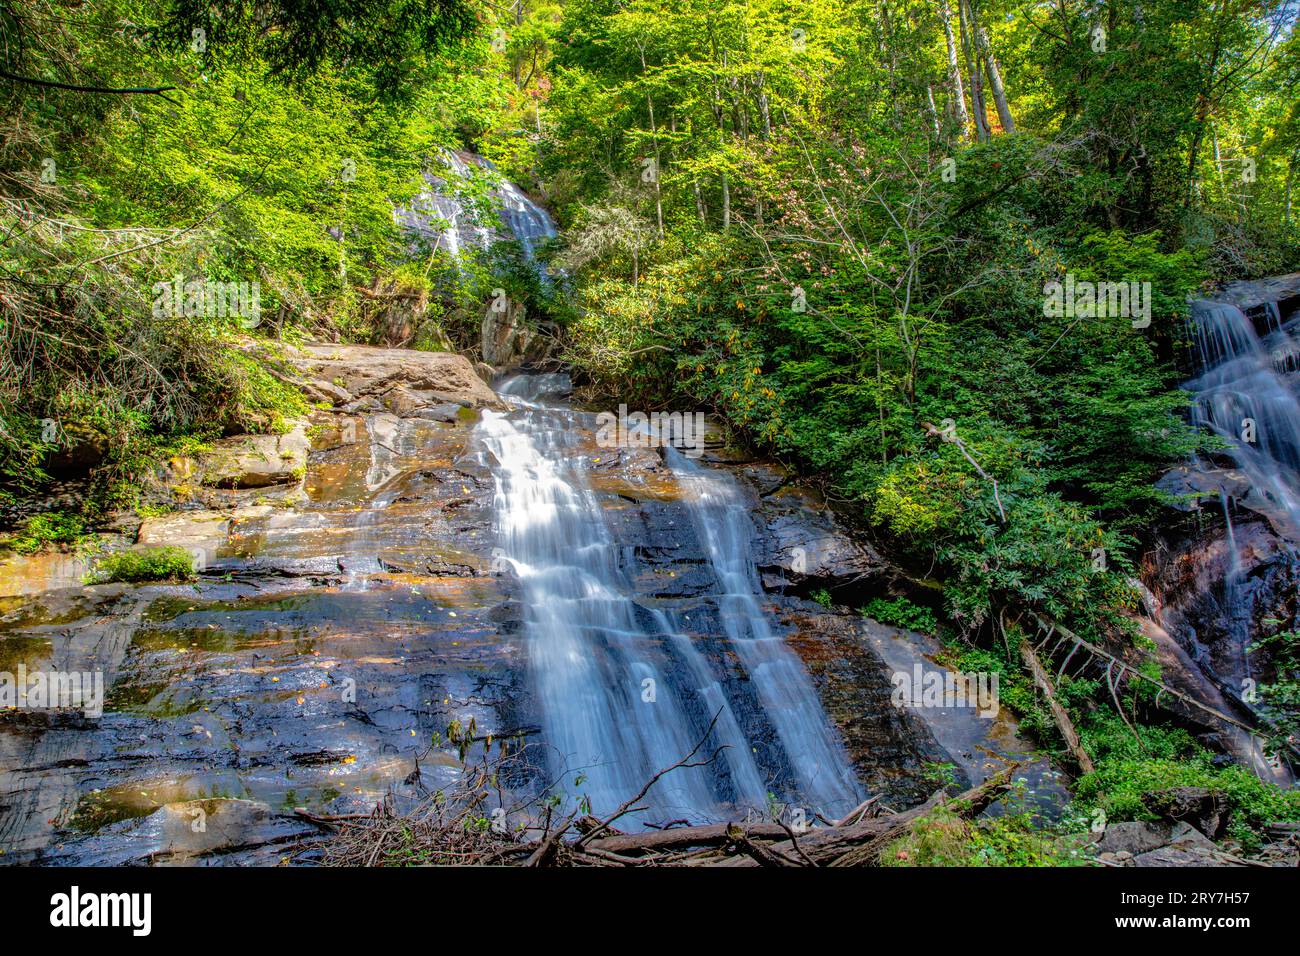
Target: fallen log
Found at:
x=714, y=834
x=861, y=843
x=967, y=806
x=1062, y=719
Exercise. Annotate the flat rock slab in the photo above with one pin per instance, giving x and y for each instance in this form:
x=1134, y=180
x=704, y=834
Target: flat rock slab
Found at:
x=185, y=831
x=365, y=371
x=1253, y=292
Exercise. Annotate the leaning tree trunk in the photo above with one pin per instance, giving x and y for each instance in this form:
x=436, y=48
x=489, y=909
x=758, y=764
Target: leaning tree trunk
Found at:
x=956, y=92
x=976, y=81
x=985, y=49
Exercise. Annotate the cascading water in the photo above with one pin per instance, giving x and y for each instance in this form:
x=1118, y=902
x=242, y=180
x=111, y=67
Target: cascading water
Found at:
x=1245, y=392
x=723, y=525
x=623, y=691
x=1243, y=395
x=453, y=224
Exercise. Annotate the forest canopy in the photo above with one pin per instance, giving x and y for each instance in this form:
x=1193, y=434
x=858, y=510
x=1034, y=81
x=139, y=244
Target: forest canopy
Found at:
x=832, y=223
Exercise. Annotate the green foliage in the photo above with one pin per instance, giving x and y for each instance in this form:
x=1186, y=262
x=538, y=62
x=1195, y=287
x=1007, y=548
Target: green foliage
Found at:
x=922, y=295
x=1165, y=758
x=147, y=564
x=44, y=530
x=1280, y=696
x=900, y=612
x=233, y=176
x=942, y=838
x=823, y=597
x=394, y=41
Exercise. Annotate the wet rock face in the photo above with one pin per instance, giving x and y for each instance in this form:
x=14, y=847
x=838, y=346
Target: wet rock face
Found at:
x=334, y=636
x=1216, y=605
x=1217, y=594
x=331, y=637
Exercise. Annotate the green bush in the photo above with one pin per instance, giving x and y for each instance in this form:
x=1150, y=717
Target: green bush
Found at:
x=150, y=564
x=900, y=612
x=43, y=530
x=1168, y=757
x=942, y=838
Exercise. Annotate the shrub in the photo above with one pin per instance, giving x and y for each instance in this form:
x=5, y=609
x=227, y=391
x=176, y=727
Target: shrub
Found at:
x=942, y=838
x=150, y=564
x=52, y=527
x=1168, y=757
x=900, y=612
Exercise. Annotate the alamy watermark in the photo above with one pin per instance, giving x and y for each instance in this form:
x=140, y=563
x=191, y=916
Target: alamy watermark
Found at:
x=53, y=690
x=946, y=690
x=208, y=299
x=1072, y=299
x=681, y=430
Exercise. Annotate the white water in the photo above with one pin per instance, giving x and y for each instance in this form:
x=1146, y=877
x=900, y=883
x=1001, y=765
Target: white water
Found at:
x=1247, y=379
x=724, y=527
x=1243, y=382
x=452, y=224
x=592, y=649
x=623, y=690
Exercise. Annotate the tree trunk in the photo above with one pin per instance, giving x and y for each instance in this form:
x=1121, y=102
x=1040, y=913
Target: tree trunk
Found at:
x=654, y=133
x=985, y=49
x=1218, y=157
x=956, y=92
x=978, y=108
x=934, y=113
x=726, y=202
x=1063, y=722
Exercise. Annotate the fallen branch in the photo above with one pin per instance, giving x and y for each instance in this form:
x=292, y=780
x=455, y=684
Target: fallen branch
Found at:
x=1063, y=722
x=628, y=805
x=76, y=88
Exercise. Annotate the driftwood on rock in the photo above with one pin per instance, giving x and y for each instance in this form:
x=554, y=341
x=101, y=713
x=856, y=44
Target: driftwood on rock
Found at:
x=772, y=844
x=452, y=828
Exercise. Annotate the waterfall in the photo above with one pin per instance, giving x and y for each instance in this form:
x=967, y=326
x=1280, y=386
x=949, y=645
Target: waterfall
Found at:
x=1242, y=395
x=622, y=691
x=723, y=525
x=446, y=218
x=1236, y=606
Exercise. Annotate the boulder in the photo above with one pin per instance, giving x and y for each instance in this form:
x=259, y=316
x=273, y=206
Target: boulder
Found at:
x=256, y=461
x=1205, y=810
x=368, y=372
x=506, y=339
x=1135, y=837
x=77, y=448
x=1187, y=846
x=319, y=390
x=412, y=403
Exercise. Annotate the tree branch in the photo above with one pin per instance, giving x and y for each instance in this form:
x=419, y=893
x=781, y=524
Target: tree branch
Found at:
x=53, y=84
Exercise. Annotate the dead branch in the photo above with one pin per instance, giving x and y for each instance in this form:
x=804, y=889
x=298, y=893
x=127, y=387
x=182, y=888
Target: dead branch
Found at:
x=1063, y=722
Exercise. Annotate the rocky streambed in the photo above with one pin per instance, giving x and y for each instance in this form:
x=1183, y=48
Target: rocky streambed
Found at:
x=353, y=604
